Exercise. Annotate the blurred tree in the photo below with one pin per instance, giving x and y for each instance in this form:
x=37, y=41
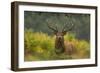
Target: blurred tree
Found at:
x=37, y=21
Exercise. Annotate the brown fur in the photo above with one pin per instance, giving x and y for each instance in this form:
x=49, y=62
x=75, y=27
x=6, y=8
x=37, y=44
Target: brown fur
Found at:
x=59, y=45
x=69, y=47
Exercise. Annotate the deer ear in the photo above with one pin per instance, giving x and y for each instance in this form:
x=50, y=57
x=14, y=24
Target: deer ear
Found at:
x=55, y=32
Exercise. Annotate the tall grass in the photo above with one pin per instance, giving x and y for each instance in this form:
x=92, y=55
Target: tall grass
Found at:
x=41, y=46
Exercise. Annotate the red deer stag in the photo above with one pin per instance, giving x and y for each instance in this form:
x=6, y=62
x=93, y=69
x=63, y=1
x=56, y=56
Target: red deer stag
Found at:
x=62, y=46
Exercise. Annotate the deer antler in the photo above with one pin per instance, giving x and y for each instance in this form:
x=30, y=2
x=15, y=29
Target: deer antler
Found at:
x=54, y=28
x=68, y=28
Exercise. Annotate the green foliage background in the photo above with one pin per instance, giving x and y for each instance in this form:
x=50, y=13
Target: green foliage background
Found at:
x=39, y=40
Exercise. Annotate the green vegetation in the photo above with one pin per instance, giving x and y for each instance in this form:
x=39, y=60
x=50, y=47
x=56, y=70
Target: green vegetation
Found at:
x=41, y=46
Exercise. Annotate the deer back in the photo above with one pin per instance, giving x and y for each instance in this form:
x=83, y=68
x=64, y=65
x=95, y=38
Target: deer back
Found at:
x=69, y=47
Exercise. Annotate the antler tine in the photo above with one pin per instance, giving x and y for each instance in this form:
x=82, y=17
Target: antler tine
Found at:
x=69, y=29
x=54, y=29
x=51, y=27
x=63, y=28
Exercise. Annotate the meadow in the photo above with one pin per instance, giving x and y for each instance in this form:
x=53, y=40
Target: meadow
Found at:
x=40, y=46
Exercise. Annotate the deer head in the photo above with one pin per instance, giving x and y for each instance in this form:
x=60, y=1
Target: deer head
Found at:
x=59, y=41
